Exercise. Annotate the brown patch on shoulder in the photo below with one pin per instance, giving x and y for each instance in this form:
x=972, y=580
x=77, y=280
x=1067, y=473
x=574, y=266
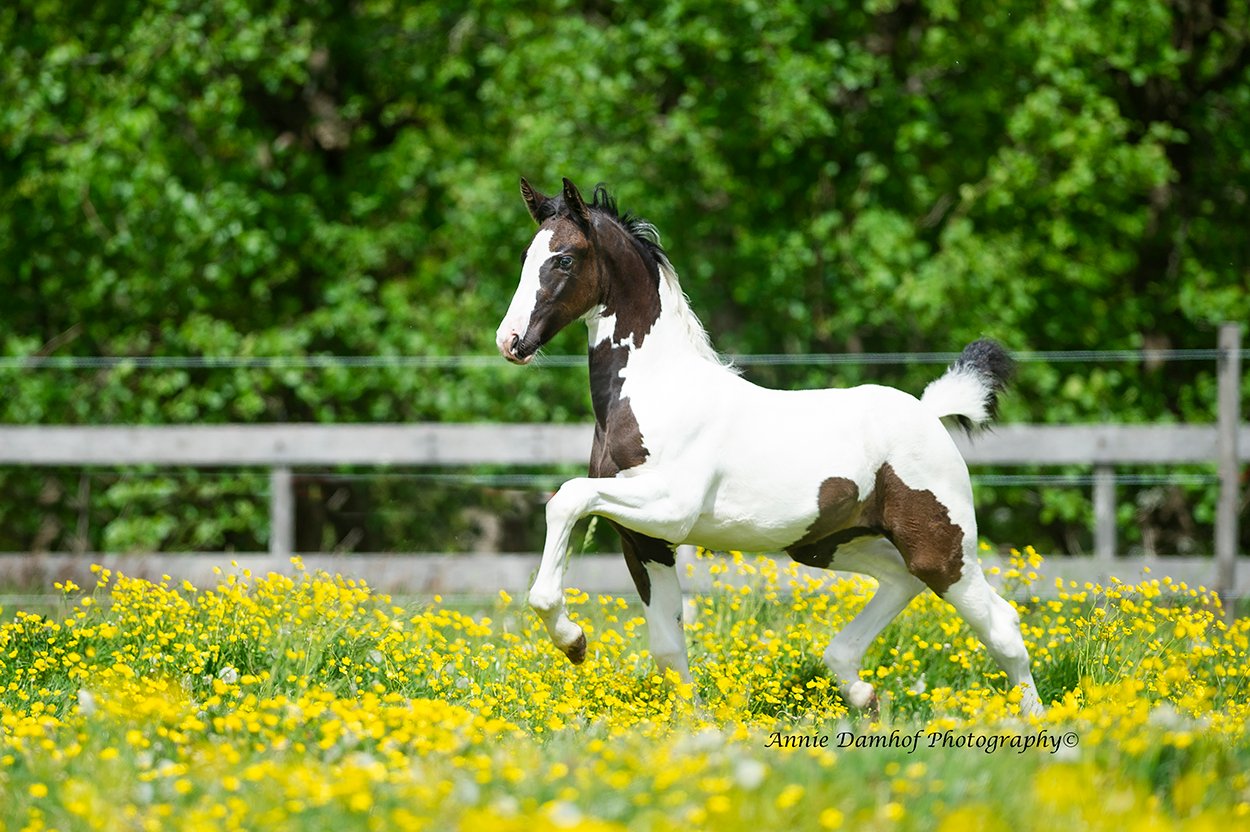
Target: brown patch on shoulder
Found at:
x=583, y=289
x=618, y=438
x=618, y=444
x=914, y=520
x=624, y=438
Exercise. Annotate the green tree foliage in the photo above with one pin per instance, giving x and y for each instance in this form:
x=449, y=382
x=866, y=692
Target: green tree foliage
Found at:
x=224, y=178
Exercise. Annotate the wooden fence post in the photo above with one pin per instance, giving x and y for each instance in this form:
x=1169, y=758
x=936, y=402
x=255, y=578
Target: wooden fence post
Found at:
x=1229, y=369
x=281, y=512
x=1104, y=516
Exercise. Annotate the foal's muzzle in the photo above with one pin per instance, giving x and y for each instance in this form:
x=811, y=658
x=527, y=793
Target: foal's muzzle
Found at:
x=514, y=350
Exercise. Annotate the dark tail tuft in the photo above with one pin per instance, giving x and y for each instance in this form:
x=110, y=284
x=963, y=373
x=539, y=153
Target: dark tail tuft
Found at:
x=987, y=358
x=967, y=393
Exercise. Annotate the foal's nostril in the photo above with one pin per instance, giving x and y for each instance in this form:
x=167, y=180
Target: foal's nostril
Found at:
x=516, y=342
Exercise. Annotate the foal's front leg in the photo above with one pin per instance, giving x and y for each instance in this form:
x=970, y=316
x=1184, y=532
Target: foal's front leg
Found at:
x=547, y=593
x=643, y=503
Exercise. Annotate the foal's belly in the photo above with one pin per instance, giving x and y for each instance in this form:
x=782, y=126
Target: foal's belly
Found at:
x=768, y=489
x=741, y=537
x=767, y=526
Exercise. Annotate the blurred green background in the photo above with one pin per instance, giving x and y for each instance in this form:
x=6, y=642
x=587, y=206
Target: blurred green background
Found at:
x=229, y=178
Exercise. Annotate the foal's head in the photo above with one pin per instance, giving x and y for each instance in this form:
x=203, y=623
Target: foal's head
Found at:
x=565, y=271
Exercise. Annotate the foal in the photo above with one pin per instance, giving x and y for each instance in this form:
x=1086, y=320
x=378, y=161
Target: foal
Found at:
x=865, y=479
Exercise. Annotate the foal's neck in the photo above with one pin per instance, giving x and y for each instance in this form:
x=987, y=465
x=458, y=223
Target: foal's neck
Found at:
x=630, y=295
x=639, y=296
x=645, y=320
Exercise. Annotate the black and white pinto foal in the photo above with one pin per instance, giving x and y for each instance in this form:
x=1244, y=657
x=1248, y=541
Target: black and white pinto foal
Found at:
x=865, y=479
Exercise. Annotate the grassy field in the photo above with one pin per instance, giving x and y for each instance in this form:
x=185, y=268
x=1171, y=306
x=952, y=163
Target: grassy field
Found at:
x=310, y=702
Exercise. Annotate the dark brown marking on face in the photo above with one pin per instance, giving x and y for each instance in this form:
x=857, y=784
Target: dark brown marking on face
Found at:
x=914, y=520
x=615, y=263
x=568, y=285
x=604, y=265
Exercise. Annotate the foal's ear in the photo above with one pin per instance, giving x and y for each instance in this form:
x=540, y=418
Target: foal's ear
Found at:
x=534, y=201
x=576, y=205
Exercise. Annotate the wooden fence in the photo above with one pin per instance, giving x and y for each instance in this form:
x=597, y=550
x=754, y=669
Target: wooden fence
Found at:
x=282, y=448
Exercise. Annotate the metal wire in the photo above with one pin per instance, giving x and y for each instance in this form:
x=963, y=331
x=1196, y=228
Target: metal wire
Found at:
x=993, y=480
x=459, y=362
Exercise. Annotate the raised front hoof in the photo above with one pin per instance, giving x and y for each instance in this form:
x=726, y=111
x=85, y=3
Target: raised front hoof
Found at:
x=577, y=650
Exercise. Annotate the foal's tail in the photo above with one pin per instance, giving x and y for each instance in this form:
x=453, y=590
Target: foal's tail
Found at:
x=968, y=390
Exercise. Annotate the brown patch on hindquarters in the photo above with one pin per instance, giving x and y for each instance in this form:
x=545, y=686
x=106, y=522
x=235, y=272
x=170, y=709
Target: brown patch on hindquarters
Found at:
x=914, y=520
x=838, y=504
x=920, y=527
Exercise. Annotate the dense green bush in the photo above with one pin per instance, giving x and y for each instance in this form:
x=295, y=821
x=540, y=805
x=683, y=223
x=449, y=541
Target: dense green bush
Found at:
x=223, y=177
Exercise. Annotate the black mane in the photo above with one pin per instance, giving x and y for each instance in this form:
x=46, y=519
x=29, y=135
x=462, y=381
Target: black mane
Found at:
x=646, y=234
x=643, y=232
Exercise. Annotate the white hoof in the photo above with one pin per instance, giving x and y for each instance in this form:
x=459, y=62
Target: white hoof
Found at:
x=860, y=695
x=1030, y=704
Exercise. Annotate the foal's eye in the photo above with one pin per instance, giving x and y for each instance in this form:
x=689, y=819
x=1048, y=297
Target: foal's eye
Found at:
x=565, y=262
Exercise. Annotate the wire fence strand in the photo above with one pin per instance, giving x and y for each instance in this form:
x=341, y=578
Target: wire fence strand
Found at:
x=458, y=362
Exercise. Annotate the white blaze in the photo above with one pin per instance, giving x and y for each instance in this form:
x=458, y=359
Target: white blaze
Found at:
x=517, y=319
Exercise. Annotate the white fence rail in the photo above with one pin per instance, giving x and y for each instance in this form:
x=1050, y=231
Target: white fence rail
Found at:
x=281, y=448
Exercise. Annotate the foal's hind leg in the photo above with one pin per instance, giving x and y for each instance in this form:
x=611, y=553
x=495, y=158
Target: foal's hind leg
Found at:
x=934, y=527
x=948, y=563
x=997, y=624
x=897, y=587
